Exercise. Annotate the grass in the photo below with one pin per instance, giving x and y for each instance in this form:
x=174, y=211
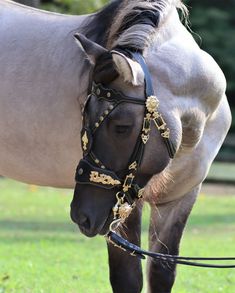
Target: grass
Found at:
x=42, y=251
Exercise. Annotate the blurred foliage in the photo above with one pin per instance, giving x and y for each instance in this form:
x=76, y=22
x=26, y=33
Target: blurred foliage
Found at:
x=73, y=6
x=214, y=22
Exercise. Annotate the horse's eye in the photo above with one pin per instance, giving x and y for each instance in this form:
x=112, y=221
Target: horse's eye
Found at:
x=122, y=129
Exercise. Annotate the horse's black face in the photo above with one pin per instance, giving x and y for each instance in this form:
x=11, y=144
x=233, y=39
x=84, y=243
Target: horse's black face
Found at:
x=113, y=144
x=114, y=139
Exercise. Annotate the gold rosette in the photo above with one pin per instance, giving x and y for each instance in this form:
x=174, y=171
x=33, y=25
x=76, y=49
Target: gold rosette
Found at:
x=151, y=104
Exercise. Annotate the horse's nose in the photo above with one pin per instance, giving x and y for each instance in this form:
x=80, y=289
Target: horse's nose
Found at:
x=81, y=219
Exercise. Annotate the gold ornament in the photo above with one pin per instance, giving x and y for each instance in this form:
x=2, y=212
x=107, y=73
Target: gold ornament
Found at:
x=133, y=166
x=124, y=211
x=166, y=133
x=152, y=104
x=103, y=178
x=128, y=182
x=84, y=141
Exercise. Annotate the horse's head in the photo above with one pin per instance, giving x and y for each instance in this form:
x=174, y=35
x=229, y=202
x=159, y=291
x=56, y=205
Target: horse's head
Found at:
x=119, y=151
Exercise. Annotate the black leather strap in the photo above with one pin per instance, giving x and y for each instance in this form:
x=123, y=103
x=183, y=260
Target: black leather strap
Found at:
x=166, y=260
x=149, y=91
x=113, y=96
x=83, y=175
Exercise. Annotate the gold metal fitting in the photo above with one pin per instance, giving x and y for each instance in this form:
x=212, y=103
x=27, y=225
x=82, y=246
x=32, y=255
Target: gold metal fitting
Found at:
x=133, y=166
x=152, y=103
x=128, y=182
x=145, y=138
x=84, y=141
x=166, y=133
x=124, y=211
x=140, y=193
x=120, y=200
x=103, y=178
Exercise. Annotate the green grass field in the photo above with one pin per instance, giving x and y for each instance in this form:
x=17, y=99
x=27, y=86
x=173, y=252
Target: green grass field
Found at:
x=42, y=251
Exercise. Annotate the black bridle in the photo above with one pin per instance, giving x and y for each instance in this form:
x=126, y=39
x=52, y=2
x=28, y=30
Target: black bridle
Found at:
x=92, y=171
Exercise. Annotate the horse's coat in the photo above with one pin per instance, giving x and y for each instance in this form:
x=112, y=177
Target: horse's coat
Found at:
x=44, y=80
x=40, y=67
x=40, y=86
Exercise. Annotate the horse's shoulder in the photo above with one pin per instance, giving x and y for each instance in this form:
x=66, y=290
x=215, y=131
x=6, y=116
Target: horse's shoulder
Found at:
x=211, y=81
x=189, y=71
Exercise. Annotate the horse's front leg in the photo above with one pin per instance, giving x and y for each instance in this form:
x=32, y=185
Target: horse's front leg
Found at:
x=125, y=270
x=167, y=224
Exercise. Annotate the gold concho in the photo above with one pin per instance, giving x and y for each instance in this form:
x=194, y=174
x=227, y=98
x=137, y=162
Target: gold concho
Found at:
x=152, y=104
x=103, y=178
x=84, y=141
x=124, y=211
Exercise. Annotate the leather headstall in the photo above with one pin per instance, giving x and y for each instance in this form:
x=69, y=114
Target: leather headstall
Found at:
x=92, y=171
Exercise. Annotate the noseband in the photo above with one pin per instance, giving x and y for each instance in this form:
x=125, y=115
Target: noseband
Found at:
x=93, y=172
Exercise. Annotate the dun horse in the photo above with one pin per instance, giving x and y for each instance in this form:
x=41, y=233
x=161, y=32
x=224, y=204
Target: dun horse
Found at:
x=45, y=78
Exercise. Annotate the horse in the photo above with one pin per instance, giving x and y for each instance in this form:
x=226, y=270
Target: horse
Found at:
x=46, y=76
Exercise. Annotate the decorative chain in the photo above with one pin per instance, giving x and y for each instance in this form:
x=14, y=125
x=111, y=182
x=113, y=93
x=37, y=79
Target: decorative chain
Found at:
x=152, y=114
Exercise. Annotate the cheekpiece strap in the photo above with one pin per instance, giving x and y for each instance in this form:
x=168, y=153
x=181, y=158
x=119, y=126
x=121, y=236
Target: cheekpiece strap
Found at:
x=149, y=91
x=151, y=112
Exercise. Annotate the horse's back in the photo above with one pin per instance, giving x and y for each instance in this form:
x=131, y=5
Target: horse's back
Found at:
x=39, y=112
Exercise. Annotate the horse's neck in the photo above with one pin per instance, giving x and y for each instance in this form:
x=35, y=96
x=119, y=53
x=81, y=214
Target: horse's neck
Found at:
x=41, y=78
x=42, y=38
x=169, y=28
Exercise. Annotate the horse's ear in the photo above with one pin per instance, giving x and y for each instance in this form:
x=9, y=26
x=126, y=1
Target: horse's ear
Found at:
x=92, y=50
x=130, y=70
x=104, y=70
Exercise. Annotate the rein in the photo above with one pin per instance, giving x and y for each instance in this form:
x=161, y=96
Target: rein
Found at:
x=165, y=259
x=92, y=171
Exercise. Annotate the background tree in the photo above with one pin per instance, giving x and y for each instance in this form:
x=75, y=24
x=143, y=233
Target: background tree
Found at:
x=33, y=3
x=214, y=22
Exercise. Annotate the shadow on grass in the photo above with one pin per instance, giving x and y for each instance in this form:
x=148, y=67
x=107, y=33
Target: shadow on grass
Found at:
x=37, y=226
x=35, y=231
x=211, y=219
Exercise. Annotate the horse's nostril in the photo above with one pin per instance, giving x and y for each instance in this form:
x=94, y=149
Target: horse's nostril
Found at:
x=83, y=221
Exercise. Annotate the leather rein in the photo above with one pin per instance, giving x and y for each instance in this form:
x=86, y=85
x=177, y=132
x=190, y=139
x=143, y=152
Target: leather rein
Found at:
x=92, y=171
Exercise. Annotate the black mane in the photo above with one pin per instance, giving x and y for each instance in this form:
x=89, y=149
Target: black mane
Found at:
x=97, y=26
